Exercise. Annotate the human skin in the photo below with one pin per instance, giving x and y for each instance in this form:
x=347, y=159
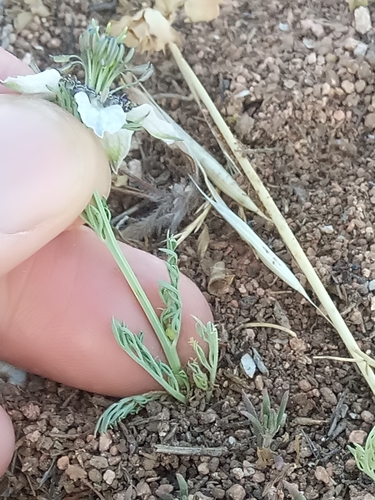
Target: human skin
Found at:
x=59, y=285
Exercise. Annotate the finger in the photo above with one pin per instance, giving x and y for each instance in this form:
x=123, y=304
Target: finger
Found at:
x=11, y=66
x=56, y=310
x=50, y=166
x=7, y=441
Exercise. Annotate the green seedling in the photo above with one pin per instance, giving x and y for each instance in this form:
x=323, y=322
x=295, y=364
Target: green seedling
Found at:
x=171, y=376
x=183, y=493
x=365, y=456
x=269, y=422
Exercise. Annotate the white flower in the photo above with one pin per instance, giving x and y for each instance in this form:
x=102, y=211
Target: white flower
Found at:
x=117, y=147
x=155, y=126
x=40, y=83
x=110, y=119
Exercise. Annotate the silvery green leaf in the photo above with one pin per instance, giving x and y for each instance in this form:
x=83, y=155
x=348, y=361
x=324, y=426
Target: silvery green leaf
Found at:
x=110, y=119
x=157, y=127
x=117, y=146
x=39, y=83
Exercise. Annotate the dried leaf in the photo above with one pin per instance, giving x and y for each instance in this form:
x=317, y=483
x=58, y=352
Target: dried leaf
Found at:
x=148, y=30
x=322, y=474
x=168, y=7
x=203, y=241
x=280, y=315
x=120, y=180
x=265, y=458
x=353, y=4
x=219, y=282
x=205, y=11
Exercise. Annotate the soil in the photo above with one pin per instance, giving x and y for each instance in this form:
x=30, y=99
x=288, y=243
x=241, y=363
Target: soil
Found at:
x=295, y=81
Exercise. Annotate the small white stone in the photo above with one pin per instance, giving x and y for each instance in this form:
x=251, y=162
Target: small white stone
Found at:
x=109, y=476
x=311, y=58
x=238, y=473
x=327, y=229
x=326, y=88
x=348, y=86
x=351, y=43
x=362, y=20
x=203, y=469
x=308, y=43
x=360, y=50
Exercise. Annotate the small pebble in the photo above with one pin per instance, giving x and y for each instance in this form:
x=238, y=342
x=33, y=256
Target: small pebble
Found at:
x=360, y=50
x=308, y=43
x=360, y=86
x=357, y=437
x=248, y=468
x=95, y=476
x=99, y=462
x=339, y=115
x=104, y=442
x=367, y=416
x=351, y=44
x=289, y=84
x=350, y=465
x=238, y=473
x=371, y=285
x=143, y=489
x=327, y=229
x=326, y=88
x=203, y=469
x=259, y=477
x=75, y=472
x=322, y=474
x=304, y=385
x=311, y=58
x=109, y=476
x=347, y=86
x=164, y=489
x=62, y=463
x=236, y=492
x=370, y=121
x=328, y=395
x=362, y=20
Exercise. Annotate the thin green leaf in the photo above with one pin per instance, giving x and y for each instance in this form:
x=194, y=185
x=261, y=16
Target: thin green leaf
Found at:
x=199, y=377
x=134, y=347
x=183, y=487
x=281, y=413
x=123, y=408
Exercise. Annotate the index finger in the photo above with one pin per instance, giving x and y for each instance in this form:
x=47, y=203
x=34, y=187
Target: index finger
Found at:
x=11, y=66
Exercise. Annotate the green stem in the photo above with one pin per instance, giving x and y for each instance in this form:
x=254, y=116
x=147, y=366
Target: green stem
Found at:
x=108, y=237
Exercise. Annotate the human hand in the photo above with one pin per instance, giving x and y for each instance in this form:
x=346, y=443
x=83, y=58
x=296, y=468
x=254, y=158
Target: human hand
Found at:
x=60, y=288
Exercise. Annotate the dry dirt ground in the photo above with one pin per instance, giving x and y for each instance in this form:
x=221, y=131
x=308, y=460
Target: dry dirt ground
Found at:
x=307, y=123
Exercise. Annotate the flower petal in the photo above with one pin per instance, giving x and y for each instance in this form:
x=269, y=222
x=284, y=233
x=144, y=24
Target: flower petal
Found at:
x=161, y=129
x=117, y=147
x=100, y=119
x=40, y=83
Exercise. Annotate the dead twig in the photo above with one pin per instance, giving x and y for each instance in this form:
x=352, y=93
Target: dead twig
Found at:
x=192, y=451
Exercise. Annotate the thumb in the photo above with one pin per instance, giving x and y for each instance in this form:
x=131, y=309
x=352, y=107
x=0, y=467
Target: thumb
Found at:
x=7, y=441
x=50, y=166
